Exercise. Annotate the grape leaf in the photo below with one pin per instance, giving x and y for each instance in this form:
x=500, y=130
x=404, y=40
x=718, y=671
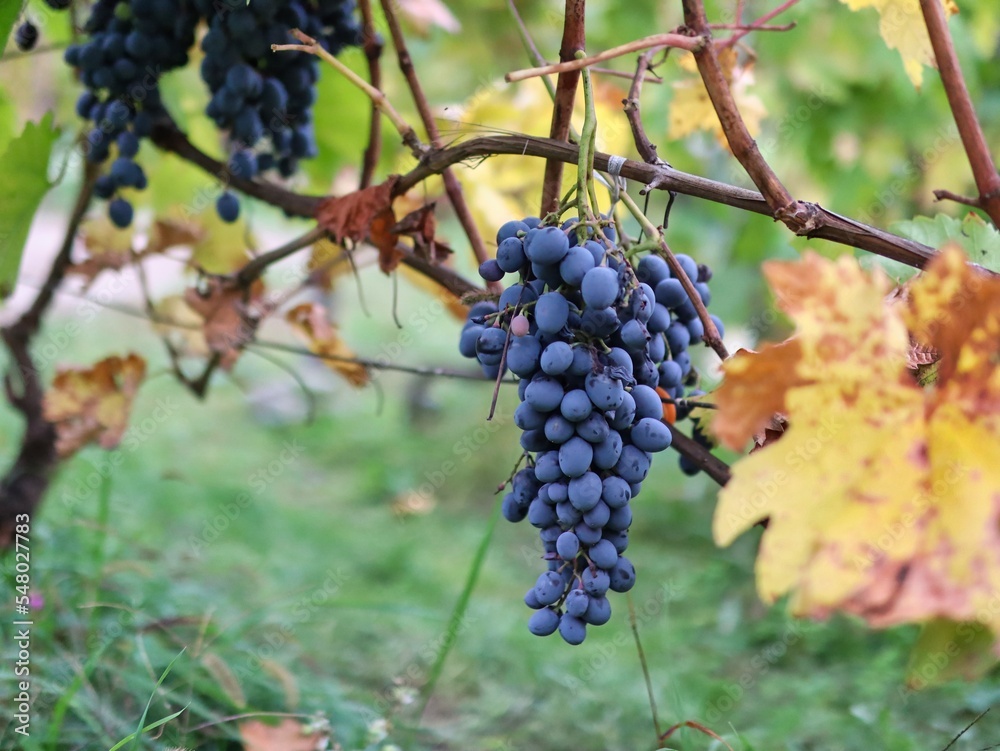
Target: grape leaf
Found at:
x=230, y=316
x=220, y=247
x=326, y=262
x=978, y=239
x=691, y=109
x=364, y=215
x=93, y=404
x=881, y=495
x=901, y=24
x=181, y=326
x=25, y=167
x=9, y=12
x=312, y=323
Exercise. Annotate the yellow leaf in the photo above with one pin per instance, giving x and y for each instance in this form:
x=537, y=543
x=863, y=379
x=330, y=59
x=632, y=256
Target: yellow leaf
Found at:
x=93, y=404
x=454, y=305
x=691, y=109
x=901, y=24
x=883, y=496
x=311, y=322
x=326, y=262
x=182, y=326
x=511, y=185
x=222, y=246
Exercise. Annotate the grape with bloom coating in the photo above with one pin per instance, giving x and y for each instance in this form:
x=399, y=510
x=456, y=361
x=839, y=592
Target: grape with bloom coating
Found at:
x=598, y=347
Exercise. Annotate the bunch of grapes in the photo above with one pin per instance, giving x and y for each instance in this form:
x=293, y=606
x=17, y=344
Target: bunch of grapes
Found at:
x=599, y=347
x=262, y=99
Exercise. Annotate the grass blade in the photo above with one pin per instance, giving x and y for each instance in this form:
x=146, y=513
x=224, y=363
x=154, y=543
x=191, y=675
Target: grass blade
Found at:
x=451, y=634
x=61, y=706
x=140, y=730
x=134, y=737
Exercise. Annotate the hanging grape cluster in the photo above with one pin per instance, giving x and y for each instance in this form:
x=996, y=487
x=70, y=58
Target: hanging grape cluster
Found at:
x=599, y=347
x=262, y=99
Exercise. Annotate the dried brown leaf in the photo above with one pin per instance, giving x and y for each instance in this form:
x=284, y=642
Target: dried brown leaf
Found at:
x=312, y=323
x=92, y=404
x=230, y=315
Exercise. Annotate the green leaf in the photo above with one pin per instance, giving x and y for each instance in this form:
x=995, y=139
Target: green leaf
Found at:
x=134, y=737
x=24, y=166
x=948, y=650
x=980, y=240
x=9, y=12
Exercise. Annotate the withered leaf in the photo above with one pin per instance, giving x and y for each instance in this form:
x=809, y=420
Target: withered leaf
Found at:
x=883, y=496
x=312, y=323
x=92, y=404
x=230, y=314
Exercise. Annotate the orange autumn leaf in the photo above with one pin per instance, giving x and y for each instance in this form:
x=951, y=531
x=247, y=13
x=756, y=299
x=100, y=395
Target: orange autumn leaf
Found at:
x=883, y=496
x=311, y=322
x=92, y=404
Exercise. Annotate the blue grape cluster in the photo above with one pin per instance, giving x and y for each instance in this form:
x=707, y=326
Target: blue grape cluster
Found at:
x=263, y=99
x=592, y=340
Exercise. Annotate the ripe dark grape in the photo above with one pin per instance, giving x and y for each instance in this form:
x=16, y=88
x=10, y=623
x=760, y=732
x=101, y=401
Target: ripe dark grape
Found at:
x=596, y=344
x=26, y=36
x=120, y=212
x=228, y=207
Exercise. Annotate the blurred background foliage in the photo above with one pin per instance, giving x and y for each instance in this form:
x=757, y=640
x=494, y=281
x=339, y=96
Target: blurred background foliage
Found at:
x=364, y=503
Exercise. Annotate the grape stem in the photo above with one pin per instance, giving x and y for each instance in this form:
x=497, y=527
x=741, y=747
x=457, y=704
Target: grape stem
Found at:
x=680, y=41
x=704, y=459
x=585, y=163
x=983, y=169
x=573, y=40
x=712, y=337
x=451, y=184
x=373, y=54
x=312, y=47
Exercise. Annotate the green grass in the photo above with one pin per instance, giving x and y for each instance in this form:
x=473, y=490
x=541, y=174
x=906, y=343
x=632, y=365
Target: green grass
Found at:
x=292, y=585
